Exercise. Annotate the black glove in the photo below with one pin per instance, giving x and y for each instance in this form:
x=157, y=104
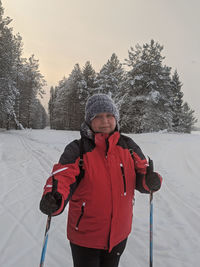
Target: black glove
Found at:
x=50, y=203
x=152, y=178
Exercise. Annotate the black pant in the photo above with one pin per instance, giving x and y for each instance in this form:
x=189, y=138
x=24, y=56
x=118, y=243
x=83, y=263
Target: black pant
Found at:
x=91, y=257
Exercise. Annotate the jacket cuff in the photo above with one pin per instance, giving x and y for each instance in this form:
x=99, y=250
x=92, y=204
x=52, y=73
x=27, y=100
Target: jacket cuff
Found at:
x=60, y=210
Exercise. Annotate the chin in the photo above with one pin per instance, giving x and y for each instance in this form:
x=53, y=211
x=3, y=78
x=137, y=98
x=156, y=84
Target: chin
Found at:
x=106, y=131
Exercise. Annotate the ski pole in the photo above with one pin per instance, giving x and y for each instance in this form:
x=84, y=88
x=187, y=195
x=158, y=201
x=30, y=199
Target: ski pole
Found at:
x=151, y=231
x=46, y=235
x=44, y=248
x=151, y=219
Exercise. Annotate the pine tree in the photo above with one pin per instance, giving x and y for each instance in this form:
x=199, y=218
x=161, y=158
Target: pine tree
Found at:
x=31, y=85
x=8, y=53
x=110, y=78
x=183, y=119
x=18, y=76
x=88, y=87
x=89, y=76
x=59, y=106
x=147, y=95
x=20, y=80
x=51, y=105
x=76, y=98
x=177, y=103
x=69, y=101
x=188, y=119
x=38, y=118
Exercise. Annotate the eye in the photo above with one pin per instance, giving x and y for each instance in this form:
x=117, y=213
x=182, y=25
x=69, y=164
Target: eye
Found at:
x=97, y=116
x=110, y=116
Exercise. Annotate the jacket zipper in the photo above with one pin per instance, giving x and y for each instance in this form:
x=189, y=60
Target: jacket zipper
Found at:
x=124, y=178
x=107, y=147
x=81, y=215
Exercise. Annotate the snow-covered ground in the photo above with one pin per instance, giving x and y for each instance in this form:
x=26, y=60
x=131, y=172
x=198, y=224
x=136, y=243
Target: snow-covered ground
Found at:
x=26, y=159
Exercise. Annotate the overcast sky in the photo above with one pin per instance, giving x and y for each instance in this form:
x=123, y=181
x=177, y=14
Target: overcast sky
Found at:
x=65, y=32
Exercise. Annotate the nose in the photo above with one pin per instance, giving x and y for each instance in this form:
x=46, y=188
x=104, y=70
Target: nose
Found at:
x=104, y=119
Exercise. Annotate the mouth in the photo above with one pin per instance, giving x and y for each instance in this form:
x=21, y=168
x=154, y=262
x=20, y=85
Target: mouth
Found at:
x=105, y=127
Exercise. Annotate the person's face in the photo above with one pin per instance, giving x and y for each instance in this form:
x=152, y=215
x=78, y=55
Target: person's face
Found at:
x=103, y=123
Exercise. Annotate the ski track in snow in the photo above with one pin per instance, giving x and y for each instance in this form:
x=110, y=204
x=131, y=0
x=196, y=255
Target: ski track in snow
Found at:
x=26, y=160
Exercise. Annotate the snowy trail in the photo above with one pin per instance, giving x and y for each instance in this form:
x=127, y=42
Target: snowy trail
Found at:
x=26, y=159
x=25, y=163
x=179, y=204
x=17, y=198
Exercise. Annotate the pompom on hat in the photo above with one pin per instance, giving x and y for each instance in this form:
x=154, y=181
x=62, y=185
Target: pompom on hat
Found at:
x=100, y=103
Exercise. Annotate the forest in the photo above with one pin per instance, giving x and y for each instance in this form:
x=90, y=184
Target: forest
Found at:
x=20, y=82
x=147, y=93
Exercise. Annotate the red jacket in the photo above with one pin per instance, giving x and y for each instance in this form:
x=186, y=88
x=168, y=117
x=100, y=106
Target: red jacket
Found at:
x=101, y=204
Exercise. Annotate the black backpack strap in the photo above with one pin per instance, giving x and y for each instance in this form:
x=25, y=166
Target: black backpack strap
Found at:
x=131, y=152
x=82, y=171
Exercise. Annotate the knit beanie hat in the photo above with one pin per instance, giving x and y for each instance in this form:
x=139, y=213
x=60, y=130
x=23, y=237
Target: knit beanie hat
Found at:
x=100, y=103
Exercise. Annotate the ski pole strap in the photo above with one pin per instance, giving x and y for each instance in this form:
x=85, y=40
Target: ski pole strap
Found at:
x=54, y=185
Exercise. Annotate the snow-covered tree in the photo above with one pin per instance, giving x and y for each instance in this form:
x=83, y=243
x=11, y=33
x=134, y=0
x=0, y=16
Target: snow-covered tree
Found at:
x=30, y=84
x=51, y=106
x=69, y=101
x=20, y=80
x=18, y=76
x=8, y=53
x=177, y=102
x=147, y=95
x=188, y=119
x=89, y=76
x=110, y=78
x=183, y=118
x=38, y=118
x=77, y=96
x=60, y=106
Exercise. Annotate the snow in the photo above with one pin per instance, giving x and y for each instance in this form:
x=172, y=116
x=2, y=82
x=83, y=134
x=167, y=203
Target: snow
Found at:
x=26, y=159
x=155, y=96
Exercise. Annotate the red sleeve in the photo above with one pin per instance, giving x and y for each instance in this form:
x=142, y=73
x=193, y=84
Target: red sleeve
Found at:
x=66, y=179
